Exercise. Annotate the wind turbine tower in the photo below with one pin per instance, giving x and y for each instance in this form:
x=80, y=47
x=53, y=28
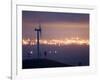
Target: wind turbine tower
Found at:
x=38, y=31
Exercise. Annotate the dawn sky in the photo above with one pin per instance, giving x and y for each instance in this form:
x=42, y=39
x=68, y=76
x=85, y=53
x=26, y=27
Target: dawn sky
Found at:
x=55, y=25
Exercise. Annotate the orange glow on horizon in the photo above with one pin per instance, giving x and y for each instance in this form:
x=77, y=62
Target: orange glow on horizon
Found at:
x=65, y=41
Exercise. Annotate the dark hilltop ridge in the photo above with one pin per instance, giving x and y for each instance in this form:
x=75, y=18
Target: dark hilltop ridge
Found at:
x=42, y=63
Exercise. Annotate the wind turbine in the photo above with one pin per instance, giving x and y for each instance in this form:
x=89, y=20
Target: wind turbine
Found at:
x=38, y=30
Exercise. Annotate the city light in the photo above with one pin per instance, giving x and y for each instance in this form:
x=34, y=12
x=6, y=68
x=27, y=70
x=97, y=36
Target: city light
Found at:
x=66, y=41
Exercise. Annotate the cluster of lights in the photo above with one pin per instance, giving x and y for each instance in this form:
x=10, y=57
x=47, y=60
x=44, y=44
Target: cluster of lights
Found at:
x=66, y=41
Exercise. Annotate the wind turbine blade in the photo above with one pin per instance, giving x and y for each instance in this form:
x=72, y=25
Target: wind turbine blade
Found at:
x=40, y=30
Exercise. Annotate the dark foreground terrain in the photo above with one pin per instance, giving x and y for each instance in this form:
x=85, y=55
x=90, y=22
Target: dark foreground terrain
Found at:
x=57, y=56
x=42, y=63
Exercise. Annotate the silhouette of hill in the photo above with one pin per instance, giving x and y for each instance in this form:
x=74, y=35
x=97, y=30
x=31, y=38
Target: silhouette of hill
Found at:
x=42, y=63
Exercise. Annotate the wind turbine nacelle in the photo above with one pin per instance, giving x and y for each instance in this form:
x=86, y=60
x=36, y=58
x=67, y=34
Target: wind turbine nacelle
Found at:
x=38, y=29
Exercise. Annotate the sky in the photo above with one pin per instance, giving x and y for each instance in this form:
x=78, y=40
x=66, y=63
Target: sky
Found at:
x=55, y=25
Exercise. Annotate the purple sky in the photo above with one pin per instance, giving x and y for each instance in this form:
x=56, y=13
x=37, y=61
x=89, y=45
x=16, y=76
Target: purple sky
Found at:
x=55, y=25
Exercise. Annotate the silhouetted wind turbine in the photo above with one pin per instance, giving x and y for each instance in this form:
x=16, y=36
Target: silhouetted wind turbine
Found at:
x=38, y=30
